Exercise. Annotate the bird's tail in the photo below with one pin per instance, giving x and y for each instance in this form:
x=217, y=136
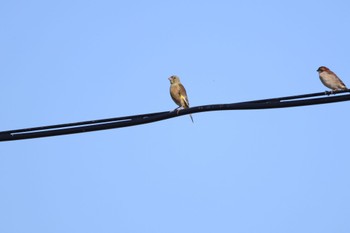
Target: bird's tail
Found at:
x=191, y=118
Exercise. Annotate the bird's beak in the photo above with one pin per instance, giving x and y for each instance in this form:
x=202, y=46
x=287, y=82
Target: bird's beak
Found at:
x=169, y=79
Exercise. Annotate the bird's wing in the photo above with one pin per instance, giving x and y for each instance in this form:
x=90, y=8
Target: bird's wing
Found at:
x=183, y=95
x=341, y=82
x=187, y=104
x=336, y=77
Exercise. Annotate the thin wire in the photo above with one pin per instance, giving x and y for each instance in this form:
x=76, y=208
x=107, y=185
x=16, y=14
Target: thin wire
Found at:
x=118, y=122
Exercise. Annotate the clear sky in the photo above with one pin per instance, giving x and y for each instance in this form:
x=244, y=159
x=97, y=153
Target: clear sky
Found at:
x=282, y=170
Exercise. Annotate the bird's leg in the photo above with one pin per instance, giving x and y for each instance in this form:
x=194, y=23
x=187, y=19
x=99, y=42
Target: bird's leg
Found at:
x=178, y=109
x=328, y=93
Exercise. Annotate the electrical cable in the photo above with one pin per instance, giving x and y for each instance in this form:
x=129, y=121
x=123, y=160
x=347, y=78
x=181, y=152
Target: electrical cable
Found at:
x=126, y=121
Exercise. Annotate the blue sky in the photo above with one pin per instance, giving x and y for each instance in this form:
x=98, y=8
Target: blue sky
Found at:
x=281, y=170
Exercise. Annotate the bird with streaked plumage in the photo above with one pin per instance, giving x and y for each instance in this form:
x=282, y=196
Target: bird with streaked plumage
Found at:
x=178, y=93
x=330, y=79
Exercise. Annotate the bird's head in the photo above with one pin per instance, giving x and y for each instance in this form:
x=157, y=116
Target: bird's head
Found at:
x=321, y=69
x=174, y=79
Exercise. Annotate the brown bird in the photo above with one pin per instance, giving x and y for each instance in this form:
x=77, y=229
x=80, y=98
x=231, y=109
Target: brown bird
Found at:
x=330, y=79
x=178, y=93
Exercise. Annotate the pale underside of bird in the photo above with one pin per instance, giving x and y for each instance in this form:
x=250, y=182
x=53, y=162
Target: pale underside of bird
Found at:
x=330, y=79
x=178, y=93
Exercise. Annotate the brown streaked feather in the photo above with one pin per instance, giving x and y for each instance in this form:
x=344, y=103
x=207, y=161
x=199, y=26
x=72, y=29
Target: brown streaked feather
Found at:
x=179, y=95
x=183, y=96
x=175, y=93
x=339, y=80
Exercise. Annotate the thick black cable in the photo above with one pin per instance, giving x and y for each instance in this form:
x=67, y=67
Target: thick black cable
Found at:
x=81, y=123
x=118, y=122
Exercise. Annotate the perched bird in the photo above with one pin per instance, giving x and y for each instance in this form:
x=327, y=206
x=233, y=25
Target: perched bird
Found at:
x=330, y=79
x=178, y=93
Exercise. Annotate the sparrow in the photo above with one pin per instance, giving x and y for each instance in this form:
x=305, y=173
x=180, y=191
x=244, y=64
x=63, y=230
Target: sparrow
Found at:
x=330, y=79
x=178, y=93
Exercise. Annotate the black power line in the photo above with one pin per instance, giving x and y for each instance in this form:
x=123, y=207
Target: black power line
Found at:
x=118, y=122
